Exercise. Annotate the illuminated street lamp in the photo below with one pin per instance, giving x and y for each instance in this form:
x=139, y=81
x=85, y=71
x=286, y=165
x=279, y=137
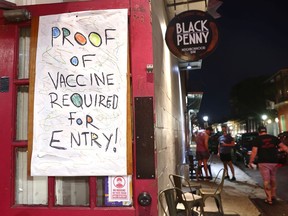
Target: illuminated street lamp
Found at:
x=205, y=118
x=264, y=117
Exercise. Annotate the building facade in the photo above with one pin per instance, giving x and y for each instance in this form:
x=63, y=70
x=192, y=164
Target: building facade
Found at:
x=280, y=83
x=156, y=128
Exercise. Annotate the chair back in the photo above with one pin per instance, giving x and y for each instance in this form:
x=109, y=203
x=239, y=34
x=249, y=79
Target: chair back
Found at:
x=220, y=178
x=180, y=181
x=176, y=180
x=170, y=198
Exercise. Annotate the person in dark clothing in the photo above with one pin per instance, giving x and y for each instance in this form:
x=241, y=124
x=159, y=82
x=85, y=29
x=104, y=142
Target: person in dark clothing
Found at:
x=226, y=143
x=265, y=147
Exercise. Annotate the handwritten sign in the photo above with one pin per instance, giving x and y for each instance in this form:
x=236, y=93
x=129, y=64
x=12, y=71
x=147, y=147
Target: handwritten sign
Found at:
x=80, y=95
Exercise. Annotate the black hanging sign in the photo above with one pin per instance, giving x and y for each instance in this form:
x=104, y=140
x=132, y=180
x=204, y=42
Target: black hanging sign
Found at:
x=192, y=35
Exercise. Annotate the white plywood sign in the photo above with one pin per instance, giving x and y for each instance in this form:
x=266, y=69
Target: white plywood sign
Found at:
x=80, y=95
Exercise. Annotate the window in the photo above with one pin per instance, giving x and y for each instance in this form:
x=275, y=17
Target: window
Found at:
x=28, y=190
x=24, y=44
x=22, y=112
x=72, y=191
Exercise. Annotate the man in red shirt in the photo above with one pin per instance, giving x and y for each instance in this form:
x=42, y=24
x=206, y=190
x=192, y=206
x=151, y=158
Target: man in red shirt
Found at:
x=202, y=151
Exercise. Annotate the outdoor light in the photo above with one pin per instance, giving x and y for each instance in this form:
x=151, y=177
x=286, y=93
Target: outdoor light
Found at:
x=276, y=120
x=269, y=121
x=205, y=118
x=264, y=117
x=189, y=67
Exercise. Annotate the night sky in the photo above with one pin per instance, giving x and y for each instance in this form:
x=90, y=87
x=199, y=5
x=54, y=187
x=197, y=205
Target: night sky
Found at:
x=253, y=41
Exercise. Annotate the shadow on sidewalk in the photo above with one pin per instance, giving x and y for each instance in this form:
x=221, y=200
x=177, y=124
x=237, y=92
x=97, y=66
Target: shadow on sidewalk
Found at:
x=279, y=207
x=217, y=214
x=196, y=213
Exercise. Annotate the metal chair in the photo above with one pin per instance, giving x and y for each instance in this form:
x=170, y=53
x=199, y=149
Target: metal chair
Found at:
x=174, y=197
x=209, y=162
x=192, y=195
x=171, y=201
x=195, y=170
x=190, y=201
x=193, y=167
x=216, y=190
x=180, y=181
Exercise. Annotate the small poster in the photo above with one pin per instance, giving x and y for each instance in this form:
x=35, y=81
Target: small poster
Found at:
x=119, y=188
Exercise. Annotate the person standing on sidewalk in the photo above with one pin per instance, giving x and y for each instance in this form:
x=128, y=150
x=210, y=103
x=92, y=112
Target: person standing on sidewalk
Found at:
x=226, y=144
x=265, y=147
x=202, y=151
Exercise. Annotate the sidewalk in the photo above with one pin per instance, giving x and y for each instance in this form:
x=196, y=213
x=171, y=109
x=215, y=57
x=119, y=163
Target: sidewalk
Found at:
x=235, y=195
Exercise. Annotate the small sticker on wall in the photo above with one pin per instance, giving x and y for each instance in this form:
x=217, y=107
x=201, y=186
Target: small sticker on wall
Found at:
x=119, y=188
